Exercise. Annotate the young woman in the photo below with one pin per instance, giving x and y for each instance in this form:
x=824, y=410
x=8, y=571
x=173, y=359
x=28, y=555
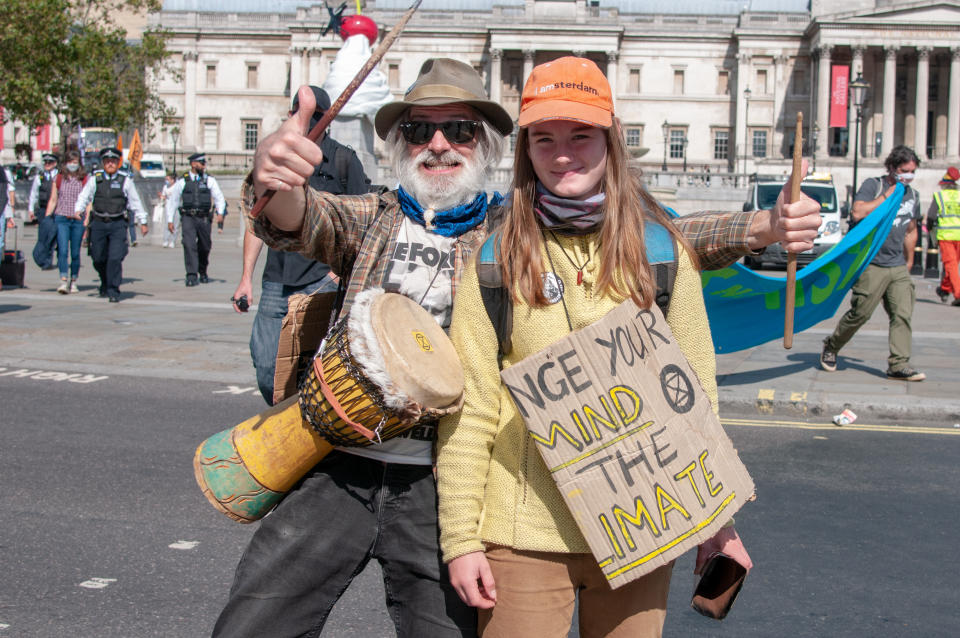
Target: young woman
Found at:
x=571, y=249
x=70, y=225
x=169, y=236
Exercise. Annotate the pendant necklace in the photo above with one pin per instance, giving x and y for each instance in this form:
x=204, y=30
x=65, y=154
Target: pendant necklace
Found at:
x=570, y=259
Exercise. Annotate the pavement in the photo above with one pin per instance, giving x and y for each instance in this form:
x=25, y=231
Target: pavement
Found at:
x=163, y=329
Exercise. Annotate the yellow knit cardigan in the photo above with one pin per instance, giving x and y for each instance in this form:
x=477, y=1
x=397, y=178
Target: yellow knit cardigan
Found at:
x=493, y=486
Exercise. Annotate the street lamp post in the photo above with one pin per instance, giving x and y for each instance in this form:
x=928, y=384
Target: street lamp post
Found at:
x=746, y=124
x=858, y=92
x=685, y=140
x=813, y=149
x=666, y=134
x=175, y=135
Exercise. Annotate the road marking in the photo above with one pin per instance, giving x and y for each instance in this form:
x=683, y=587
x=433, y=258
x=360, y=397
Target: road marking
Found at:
x=236, y=389
x=4, y=625
x=183, y=545
x=175, y=303
x=49, y=375
x=97, y=583
x=800, y=425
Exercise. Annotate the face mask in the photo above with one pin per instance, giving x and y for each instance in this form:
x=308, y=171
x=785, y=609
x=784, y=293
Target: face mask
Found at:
x=905, y=178
x=73, y=167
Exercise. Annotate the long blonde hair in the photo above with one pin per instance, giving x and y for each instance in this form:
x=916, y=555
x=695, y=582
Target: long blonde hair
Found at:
x=624, y=269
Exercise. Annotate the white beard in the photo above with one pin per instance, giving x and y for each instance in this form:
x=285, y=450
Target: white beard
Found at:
x=440, y=192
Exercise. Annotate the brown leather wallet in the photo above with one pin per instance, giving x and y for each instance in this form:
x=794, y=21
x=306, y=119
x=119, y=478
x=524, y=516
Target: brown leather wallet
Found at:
x=720, y=582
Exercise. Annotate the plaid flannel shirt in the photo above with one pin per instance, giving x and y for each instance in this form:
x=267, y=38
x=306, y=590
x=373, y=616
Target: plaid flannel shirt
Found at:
x=356, y=234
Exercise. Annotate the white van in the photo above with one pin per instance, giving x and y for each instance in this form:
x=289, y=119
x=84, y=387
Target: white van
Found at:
x=151, y=165
x=819, y=186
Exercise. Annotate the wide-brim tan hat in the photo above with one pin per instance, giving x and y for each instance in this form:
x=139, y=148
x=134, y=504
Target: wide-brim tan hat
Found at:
x=445, y=81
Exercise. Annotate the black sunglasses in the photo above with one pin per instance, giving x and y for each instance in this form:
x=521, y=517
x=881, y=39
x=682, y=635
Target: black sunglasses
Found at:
x=456, y=131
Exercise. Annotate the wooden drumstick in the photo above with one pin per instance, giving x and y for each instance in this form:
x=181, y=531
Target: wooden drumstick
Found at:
x=795, y=179
x=330, y=113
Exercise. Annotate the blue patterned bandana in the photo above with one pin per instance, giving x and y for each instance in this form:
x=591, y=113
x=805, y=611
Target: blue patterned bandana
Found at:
x=452, y=222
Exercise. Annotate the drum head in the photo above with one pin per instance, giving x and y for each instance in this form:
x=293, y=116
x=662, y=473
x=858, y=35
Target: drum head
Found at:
x=418, y=355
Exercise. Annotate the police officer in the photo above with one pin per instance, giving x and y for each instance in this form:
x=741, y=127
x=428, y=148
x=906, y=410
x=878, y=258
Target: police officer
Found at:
x=37, y=207
x=112, y=194
x=197, y=196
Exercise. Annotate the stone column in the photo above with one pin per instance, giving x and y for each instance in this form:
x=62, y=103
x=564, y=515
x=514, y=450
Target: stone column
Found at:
x=315, y=72
x=953, y=107
x=496, y=84
x=923, y=84
x=527, y=65
x=189, y=133
x=740, y=141
x=296, y=70
x=823, y=100
x=889, y=99
x=855, y=69
x=612, y=75
x=782, y=125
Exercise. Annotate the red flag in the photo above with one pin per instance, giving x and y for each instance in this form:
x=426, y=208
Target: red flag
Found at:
x=43, y=138
x=119, y=141
x=839, y=80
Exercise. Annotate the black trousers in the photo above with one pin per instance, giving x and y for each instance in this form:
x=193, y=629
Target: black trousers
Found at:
x=196, y=243
x=108, y=247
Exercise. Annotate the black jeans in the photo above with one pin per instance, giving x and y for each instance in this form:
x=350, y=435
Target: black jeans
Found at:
x=108, y=247
x=347, y=510
x=196, y=243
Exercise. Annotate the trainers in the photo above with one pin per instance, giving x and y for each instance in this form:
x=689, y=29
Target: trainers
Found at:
x=64, y=287
x=943, y=294
x=906, y=374
x=828, y=360
x=956, y=302
x=73, y=286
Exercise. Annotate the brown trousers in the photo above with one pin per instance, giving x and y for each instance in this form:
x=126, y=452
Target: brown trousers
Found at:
x=536, y=592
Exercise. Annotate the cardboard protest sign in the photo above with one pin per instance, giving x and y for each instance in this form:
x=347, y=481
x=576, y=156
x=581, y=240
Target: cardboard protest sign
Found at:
x=629, y=436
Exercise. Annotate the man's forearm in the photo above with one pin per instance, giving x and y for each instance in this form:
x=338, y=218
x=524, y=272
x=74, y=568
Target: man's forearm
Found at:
x=252, y=246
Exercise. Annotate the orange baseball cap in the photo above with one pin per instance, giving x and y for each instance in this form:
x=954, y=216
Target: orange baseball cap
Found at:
x=567, y=88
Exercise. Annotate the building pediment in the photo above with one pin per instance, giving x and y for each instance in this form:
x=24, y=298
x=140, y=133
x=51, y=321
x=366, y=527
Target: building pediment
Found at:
x=932, y=13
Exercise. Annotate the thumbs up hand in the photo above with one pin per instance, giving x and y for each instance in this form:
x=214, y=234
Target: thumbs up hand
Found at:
x=285, y=159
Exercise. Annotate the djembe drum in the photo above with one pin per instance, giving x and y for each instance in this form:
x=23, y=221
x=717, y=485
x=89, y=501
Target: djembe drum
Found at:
x=384, y=368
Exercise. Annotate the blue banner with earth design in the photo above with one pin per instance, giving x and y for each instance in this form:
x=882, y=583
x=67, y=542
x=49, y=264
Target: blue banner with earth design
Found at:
x=746, y=308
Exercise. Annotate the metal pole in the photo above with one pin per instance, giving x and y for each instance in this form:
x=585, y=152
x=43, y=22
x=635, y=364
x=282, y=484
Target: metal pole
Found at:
x=746, y=132
x=856, y=153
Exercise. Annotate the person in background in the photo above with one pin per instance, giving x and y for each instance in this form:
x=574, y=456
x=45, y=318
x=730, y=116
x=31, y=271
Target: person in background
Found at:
x=197, y=198
x=285, y=274
x=887, y=277
x=945, y=210
x=111, y=195
x=69, y=223
x=169, y=234
x=40, y=190
x=7, y=197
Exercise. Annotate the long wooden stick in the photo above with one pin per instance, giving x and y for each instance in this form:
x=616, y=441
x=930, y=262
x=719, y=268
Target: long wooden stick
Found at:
x=330, y=113
x=795, y=179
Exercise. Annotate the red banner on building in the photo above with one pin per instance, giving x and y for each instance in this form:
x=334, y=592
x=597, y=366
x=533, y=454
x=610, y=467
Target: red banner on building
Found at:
x=839, y=79
x=43, y=138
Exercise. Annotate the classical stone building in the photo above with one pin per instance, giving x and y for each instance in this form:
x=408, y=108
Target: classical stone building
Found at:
x=698, y=83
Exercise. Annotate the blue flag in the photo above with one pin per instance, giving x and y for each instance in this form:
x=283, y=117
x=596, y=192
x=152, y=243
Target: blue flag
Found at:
x=746, y=308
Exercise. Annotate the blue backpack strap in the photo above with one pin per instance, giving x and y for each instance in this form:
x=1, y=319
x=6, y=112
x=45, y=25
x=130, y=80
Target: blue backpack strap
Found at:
x=495, y=296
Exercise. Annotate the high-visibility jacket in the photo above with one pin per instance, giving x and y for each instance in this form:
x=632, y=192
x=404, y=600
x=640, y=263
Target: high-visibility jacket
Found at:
x=948, y=215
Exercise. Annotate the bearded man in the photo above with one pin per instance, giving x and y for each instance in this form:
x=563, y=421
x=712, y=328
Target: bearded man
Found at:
x=379, y=502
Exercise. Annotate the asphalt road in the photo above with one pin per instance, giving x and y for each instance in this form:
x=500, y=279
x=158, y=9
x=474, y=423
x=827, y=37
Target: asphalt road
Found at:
x=104, y=532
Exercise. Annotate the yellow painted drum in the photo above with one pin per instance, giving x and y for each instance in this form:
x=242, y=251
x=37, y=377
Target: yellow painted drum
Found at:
x=384, y=368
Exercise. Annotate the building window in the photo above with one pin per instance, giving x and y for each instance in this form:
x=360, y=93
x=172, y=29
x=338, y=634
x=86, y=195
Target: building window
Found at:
x=634, y=135
x=211, y=134
x=799, y=81
x=678, y=82
x=211, y=76
x=678, y=139
x=723, y=82
x=251, y=135
x=759, y=143
x=393, y=75
x=721, y=144
x=252, y=79
x=633, y=85
x=762, y=82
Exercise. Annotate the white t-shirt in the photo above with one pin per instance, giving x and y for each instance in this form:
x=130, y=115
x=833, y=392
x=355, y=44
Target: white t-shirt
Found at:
x=421, y=268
